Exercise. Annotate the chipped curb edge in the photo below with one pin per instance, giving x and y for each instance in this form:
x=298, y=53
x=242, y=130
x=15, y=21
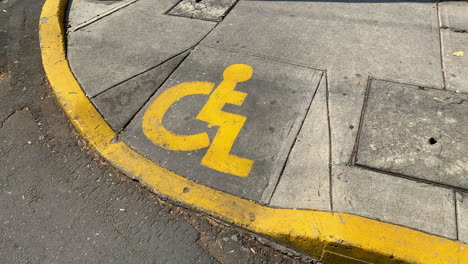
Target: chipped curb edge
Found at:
x=325, y=236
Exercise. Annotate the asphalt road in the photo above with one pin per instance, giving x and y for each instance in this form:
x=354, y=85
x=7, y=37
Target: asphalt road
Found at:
x=60, y=203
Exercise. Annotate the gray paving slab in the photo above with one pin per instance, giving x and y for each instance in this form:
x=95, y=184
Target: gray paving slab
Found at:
x=453, y=15
x=119, y=104
x=213, y=10
x=454, y=29
x=278, y=96
x=455, y=67
x=395, y=40
x=422, y=133
x=346, y=97
x=128, y=42
x=395, y=200
x=462, y=216
x=82, y=12
x=305, y=182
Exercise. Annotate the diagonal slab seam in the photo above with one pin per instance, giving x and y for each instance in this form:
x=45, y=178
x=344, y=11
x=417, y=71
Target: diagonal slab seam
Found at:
x=325, y=236
x=101, y=16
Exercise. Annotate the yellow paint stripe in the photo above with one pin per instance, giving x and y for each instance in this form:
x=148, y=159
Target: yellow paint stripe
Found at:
x=332, y=237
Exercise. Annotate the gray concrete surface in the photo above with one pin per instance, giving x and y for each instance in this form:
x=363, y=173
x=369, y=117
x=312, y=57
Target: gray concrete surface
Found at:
x=454, y=29
x=417, y=132
x=112, y=40
x=305, y=180
x=462, y=212
x=60, y=203
x=279, y=95
x=453, y=15
x=119, y=104
x=396, y=200
x=213, y=10
x=455, y=66
x=83, y=12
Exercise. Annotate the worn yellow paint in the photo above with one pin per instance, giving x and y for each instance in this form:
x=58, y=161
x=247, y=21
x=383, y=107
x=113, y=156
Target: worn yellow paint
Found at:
x=330, y=237
x=218, y=156
x=154, y=129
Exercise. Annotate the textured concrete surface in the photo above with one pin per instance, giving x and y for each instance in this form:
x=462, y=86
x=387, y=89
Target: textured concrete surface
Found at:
x=213, y=10
x=305, y=182
x=396, y=200
x=417, y=132
x=454, y=36
x=462, y=219
x=453, y=15
x=82, y=12
x=455, y=66
x=117, y=40
x=279, y=95
x=60, y=203
x=119, y=104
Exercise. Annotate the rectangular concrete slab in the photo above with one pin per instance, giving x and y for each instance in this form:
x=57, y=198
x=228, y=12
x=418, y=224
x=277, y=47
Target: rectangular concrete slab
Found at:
x=417, y=132
x=278, y=96
x=454, y=36
x=213, y=10
x=119, y=104
x=462, y=216
x=129, y=42
x=305, y=182
x=395, y=200
x=392, y=40
x=455, y=67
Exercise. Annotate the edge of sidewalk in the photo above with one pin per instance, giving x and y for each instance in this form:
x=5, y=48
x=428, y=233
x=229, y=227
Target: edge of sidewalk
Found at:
x=325, y=236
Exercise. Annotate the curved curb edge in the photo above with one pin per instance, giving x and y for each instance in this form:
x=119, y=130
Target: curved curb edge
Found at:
x=325, y=236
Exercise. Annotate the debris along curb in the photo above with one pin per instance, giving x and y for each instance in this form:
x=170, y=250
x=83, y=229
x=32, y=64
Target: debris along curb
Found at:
x=325, y=236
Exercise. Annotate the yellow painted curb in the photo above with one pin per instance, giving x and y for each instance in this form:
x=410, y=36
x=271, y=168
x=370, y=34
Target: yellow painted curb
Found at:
x=329, y=237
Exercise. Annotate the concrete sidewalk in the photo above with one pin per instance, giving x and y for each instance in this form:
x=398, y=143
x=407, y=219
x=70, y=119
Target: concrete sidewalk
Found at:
x=345, y=106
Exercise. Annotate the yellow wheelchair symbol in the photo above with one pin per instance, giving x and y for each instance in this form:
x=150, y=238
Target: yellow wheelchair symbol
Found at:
x=218, y=156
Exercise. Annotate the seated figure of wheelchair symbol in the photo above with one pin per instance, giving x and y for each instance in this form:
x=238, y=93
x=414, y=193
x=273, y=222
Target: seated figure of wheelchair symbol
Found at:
x=218, y=156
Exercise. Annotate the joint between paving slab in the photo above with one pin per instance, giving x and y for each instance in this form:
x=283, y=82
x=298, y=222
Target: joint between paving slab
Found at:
x=457, y=232
x=422, y=87
x=142, y=72
x=265, y=57
x=330, y=155
x=404, y=176
x=442, y=62
x=101, y=16
x=267, y=199
x=353, y=157
x=456, y=30
x=186, y=50
x=156, y=90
